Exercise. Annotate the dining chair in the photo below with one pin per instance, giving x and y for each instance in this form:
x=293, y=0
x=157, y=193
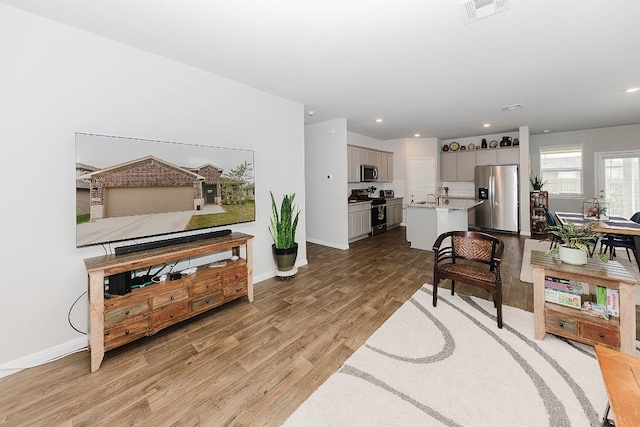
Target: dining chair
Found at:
x=611, y=241
x=551, y=219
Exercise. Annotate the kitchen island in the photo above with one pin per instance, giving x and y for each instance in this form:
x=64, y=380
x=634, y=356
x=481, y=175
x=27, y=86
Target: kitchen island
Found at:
x=426, y=221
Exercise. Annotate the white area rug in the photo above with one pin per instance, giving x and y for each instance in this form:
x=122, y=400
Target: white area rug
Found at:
x=450, y=365
x=526, y=272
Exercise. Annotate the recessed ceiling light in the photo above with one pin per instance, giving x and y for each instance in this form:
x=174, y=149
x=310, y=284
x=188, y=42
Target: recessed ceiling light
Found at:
x=546, y=131
x=633, y=89
x=378, y=120
x=417, y=135
x=486, y=125
x=311, y=113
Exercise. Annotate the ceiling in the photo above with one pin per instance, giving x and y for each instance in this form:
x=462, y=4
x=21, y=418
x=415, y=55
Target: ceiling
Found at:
x=413, y=63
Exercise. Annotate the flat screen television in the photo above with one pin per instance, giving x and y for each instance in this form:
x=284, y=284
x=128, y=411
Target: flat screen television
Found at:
x=130, y=188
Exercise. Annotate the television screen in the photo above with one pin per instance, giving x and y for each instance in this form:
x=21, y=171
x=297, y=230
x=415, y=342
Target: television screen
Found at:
x=128, y=188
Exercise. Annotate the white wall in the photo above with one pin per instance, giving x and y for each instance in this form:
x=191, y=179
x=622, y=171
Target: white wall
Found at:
x=326, y=183
x=56, y=80
x=616, y=138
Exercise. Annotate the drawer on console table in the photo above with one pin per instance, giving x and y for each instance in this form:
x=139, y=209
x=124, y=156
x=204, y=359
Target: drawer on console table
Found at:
x=170, y=297
x=169, y=314
x=596, y=333
x=206, y=302
x=560, y=324
x=234, y=284
x=207, y=280
x=120, y=310
x=125, y=332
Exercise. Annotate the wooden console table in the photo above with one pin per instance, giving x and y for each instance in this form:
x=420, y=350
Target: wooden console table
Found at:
x=124, y=318
x=569, y=322
x=620, y=373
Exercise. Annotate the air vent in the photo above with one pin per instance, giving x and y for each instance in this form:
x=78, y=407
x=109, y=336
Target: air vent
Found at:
x=511, y=107
x=474, y=10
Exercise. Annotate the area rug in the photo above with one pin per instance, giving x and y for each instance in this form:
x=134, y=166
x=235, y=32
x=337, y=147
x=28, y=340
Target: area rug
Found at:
x=450, y=365
x=526, y=272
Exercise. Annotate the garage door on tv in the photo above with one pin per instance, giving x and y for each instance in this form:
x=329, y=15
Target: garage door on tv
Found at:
x=132, y=188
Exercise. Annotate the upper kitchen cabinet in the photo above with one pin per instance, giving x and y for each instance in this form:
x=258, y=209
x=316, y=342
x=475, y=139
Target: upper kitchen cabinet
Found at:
x=458, y=166
x=382, y=160
x=497, y=156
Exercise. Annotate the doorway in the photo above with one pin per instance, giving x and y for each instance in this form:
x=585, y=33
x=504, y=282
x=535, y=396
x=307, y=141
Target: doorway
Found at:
x=618, y=181
x=422, y=179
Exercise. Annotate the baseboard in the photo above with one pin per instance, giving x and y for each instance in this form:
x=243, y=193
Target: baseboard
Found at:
x=44, y=356
x=272, y=273
x=329, y=244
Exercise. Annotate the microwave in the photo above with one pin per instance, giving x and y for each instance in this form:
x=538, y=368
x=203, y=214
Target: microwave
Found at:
x=368, y=173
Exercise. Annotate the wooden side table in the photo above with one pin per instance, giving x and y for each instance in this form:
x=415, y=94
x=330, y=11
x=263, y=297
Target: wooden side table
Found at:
x=569, y=322
x=620, y=373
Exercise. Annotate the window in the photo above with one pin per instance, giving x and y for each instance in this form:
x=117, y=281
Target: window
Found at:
x=618, y=177
x=561, y=168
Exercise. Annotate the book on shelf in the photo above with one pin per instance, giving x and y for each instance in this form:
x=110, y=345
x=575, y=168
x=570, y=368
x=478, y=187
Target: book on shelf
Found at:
x=613, y=302
x=563, y=298
x=601, y=295
x=217, y=264
x=595, y=310
x=563, y=292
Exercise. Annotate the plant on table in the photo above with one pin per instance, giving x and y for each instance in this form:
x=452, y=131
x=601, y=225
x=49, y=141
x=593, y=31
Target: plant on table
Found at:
x=574, y=236
x=596, y=210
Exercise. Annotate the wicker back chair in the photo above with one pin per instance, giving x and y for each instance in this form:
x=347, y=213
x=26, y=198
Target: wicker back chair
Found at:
x=472, y=258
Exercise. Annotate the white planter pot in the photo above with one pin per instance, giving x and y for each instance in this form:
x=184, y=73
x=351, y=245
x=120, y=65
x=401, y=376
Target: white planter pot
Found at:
x=573, y=256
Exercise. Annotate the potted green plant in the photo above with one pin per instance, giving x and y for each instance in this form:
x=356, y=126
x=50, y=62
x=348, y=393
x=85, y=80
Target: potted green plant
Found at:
x=577, y=242
x=283, y=231
x=536, y=182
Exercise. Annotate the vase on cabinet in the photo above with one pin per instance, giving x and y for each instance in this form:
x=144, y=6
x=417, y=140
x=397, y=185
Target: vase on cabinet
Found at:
x=506, y=141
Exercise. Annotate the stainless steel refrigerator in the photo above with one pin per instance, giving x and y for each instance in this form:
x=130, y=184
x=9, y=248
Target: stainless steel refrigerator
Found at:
x=497, y=187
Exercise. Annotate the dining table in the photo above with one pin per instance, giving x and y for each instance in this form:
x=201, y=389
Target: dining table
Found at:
x=614, y=224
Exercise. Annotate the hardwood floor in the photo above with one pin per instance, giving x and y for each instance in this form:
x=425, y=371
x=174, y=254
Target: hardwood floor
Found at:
x=244, y=364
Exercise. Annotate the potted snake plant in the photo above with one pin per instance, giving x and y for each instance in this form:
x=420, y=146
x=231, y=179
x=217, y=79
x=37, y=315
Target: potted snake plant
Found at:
x=283, y=231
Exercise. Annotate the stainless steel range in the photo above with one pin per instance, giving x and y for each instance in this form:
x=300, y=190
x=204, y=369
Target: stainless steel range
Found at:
x=378, y=208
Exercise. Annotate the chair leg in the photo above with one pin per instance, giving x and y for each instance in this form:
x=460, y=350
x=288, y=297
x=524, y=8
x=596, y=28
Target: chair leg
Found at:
x=435, y=289
x=498, y=301
x=628, y=256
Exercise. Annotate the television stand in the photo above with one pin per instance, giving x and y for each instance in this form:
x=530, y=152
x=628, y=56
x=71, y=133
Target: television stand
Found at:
x=121, y=319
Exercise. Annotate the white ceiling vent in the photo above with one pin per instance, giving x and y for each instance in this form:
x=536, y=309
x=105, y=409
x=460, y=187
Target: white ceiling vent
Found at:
x=511, y=107
x=473, y=10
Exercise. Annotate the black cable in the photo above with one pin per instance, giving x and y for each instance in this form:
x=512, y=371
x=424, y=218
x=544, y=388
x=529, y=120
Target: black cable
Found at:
x=69, y=314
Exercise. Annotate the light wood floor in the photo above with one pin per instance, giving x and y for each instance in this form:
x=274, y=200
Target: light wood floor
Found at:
x=244, y=364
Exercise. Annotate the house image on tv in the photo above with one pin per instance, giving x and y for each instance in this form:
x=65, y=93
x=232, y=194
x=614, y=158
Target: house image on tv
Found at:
x=150, y=185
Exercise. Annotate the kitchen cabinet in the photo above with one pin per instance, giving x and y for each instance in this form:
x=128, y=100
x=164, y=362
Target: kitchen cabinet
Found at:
x=353, y=163
x=357, y=156
x=359, y=220
x=394, y=212
x=508, y=156
x=458, y=166
x=497, y=156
